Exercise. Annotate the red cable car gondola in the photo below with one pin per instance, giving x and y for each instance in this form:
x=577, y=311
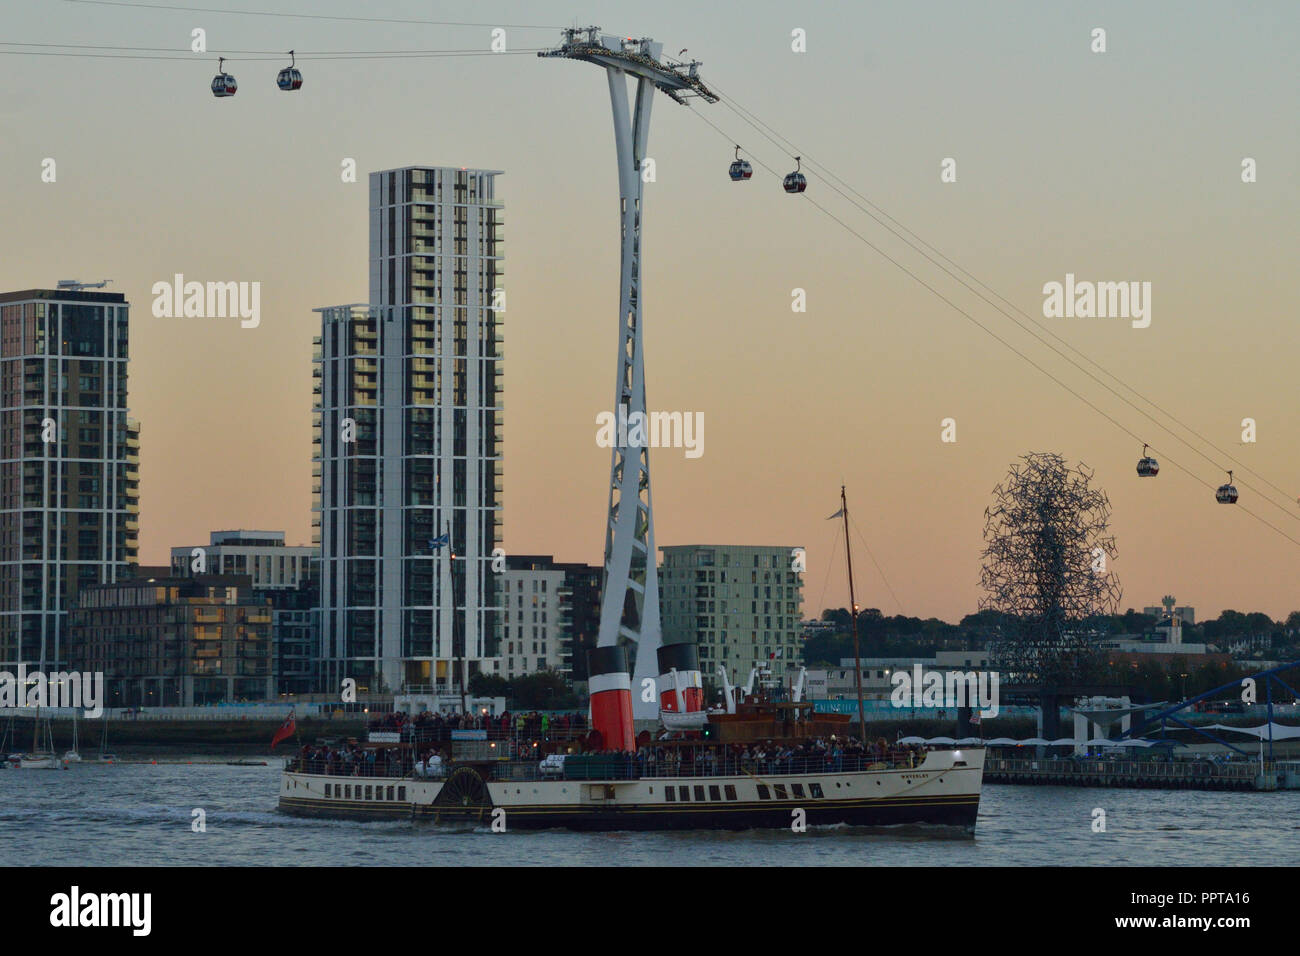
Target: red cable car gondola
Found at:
x=795, y=182
x=740, y=169
x=1147, y=467
x=223, y=84
x=290, y=78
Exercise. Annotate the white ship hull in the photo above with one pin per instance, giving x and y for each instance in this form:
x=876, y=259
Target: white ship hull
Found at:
x=943, y=790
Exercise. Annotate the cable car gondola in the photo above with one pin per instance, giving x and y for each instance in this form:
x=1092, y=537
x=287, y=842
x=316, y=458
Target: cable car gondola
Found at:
x=740, y=169
x=1227, y=494
x=290, y=78
x=1147, y=467
x=795, y=182
x=223, y=84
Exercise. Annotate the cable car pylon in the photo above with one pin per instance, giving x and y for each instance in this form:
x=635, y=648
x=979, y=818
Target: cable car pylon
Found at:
x=629, y=611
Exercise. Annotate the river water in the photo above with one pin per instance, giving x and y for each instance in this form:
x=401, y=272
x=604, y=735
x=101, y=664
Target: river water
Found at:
x=142, y=814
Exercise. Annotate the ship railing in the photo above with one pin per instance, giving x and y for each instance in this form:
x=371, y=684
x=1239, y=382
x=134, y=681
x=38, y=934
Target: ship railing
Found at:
x=441, y=734
x=731, y=766
x=389, y=769
x=612, y=767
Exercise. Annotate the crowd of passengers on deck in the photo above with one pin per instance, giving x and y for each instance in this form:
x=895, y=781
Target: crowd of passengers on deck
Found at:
x=352, y=760
x=681, y=758
x=810, y=756
x=430, y=727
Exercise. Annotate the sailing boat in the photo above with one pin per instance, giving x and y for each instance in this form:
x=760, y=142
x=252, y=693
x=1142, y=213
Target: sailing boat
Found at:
x=72, y=756
x=39, y=759
x=104, y=756
x=7, y=759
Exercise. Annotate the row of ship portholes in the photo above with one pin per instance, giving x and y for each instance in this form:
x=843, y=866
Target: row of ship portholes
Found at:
x=345, y=791
x=683, y=793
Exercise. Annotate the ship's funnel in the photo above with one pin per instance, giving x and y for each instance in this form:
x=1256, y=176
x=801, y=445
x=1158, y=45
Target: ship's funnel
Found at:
x=611, y=697
x=681, y=687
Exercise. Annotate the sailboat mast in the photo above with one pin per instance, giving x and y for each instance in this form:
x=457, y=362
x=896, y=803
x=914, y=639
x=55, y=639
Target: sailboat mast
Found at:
x=853, y=611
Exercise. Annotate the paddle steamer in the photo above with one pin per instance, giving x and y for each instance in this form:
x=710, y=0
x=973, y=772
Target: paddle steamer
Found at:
x=693, y=777
x=765, y=760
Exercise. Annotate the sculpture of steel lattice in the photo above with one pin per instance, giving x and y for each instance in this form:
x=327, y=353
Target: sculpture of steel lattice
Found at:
x=1046, y=570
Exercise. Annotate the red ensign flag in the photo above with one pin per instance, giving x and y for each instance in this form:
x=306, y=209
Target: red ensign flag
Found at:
x=286, y=730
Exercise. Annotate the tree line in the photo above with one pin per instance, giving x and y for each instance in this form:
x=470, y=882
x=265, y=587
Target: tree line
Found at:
x=902, y=636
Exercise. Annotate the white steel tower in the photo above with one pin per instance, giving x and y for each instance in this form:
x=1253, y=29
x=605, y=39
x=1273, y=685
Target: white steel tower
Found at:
x=630, y=598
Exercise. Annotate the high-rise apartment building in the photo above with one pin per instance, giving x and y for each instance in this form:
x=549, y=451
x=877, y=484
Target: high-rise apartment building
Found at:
x=408, y=428
x=69, y=465
x=740, y=604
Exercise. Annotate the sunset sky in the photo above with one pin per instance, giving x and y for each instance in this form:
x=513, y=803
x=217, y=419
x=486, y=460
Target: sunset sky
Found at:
x=1115, y=166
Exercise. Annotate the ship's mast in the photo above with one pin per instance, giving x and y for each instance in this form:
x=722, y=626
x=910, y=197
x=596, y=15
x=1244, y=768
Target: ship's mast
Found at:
x=853, y=611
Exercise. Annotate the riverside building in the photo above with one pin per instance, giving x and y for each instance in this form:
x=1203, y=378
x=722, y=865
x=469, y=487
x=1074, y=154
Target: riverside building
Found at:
x=407, y=490
x=69, y=463
x=740, y=604
x=175, y=642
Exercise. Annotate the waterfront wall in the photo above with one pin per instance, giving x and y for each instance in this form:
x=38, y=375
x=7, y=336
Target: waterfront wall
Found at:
x=1141, y=774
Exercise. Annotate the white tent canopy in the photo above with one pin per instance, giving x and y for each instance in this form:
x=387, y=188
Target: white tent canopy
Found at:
x=1279, y=731
x=1108, y=715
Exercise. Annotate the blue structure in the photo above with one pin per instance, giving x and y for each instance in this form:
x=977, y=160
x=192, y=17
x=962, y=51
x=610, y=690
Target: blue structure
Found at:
x=1269, y=677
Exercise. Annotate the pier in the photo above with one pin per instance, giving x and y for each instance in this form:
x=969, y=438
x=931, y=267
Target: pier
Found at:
x=1141, y=774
